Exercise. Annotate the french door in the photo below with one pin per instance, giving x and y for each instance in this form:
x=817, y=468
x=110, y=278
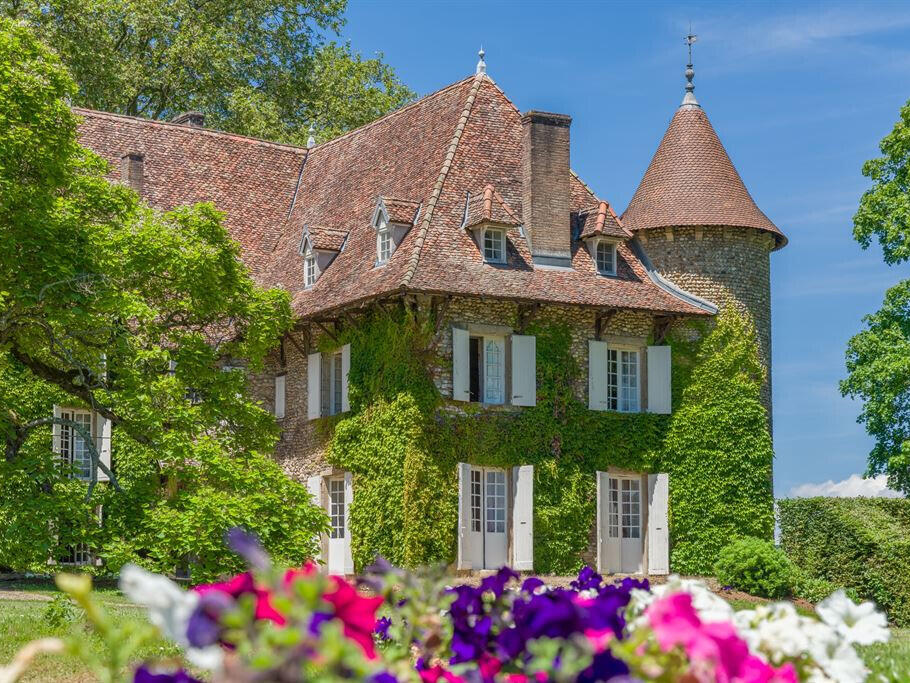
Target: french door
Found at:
x=338, y=523
x=624, y=548
x=489, y=540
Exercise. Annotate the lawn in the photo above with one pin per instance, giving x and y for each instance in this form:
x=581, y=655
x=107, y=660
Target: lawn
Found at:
x=22, y=618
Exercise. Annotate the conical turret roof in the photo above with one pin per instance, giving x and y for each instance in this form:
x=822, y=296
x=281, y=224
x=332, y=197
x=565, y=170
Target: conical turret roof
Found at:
x=691, y=181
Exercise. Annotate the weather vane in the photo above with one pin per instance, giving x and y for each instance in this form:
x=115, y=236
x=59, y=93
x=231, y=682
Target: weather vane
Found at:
x=690, y=72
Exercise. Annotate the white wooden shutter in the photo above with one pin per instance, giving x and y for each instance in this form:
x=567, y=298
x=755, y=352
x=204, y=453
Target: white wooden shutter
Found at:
x=103, y=443
x=314, y=486
x=464, y=515
x=524, y=370
x=597, y=375
x=348, y=499
x=461, y=365
x=523, y=518
x=314, y=385
x=659, y=379
x=603, y=484
x=658, y=529
x=280, y=395
x=345, y=369
x=56, y=431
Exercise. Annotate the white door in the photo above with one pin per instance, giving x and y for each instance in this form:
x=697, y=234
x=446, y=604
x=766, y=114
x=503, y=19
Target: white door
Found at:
x=488, y=540
x=338, y=521
x=624, y=551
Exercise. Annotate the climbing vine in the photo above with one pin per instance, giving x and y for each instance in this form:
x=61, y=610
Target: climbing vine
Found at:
x=403, y=440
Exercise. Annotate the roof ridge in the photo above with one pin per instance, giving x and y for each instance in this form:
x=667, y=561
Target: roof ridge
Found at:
x=190, y=129
x=504, y=204
x=503, y=93
x=585, y=185
x=440, y=181
x=382, y=118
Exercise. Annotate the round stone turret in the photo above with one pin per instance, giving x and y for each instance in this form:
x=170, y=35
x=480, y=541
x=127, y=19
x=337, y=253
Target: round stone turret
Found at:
x=700, y=226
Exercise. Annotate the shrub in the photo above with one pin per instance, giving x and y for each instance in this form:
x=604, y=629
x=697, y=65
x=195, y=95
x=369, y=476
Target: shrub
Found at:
x=755, y=566
x=815, y=590
x=859, y=543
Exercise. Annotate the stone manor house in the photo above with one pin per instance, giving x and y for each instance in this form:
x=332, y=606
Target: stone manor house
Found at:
x=461, y=198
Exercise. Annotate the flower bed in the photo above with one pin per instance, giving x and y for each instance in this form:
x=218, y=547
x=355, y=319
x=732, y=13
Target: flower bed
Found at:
x=275, y=624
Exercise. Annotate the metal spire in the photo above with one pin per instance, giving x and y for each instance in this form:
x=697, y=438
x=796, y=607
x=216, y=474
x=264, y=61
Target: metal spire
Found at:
x=481, y=65
x=689, y=99
x=311, y=141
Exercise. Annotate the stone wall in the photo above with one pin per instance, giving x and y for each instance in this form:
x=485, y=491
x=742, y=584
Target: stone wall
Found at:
x=724, y=265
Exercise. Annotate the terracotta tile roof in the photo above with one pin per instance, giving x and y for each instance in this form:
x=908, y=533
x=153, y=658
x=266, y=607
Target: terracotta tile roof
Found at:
x=601, y=220
x=404, y=211
x=251, y=181
x=326, y=239
x=691, y=181
x=434, y=152
x=489, y=207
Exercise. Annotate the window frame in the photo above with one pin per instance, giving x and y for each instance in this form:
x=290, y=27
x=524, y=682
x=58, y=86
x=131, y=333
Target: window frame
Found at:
x=68, y=437
x=483, y=366
x=331, y=386
x=384, y=241
x=337, y=518
x=617, y=366
x=611, y=247
x=501, y=233
x=310, y=272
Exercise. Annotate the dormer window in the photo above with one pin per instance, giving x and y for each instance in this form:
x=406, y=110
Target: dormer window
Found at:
x=383, y=242
x=392, y=218
x=605, y=255
x=494, y=245
x=309, y=269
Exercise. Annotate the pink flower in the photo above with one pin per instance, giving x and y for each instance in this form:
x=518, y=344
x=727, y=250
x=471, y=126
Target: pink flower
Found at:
x=357, y=613
x=437, y=672
x=599, y=639
x=676, y=623
x=489, y=666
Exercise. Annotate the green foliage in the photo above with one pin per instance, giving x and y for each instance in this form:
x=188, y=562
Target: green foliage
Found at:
x=860, y=543
x=755, y=566
x=403, y=441
x=259, y=67
x=718, y=450
x=61, y=610
x=878, y=366
x=97, y=294
x=815, y=589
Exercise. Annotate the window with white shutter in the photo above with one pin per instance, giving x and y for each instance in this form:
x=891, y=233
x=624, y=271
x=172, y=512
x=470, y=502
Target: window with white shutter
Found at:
x=327, y=380
x=280, y=388
x=659, y=380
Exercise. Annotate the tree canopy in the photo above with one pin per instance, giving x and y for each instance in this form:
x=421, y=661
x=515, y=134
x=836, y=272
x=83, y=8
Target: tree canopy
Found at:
x=132, y=313
x=255, y=67
x=878, y=358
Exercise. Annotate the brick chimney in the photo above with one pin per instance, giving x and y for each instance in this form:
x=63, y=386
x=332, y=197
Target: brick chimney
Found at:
x=132, y=171
x=545, y=187
x=194, y=119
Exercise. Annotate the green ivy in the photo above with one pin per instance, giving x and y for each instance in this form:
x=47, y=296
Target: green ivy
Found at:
x=402, y=440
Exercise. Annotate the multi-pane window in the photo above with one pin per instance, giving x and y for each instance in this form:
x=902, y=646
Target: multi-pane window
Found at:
x=336, y=507
x=496, y=502
x=494, y=369
x=78, y=554
x=631, y=508
x=74, y=451
x=309, y=270
x=332, y=384
x=606, y=257
x=614, y=508
x=622, y=381
x=476, y=500
x=383, y=245
x=494, y=245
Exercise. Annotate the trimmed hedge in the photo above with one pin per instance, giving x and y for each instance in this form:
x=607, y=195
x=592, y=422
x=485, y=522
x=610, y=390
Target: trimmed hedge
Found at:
x=756, y=566
x=859, y=543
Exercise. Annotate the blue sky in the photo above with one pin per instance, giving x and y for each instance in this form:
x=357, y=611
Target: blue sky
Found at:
x=800, y=94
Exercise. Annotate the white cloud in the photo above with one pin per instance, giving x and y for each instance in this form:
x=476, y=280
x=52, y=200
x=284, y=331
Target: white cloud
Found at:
x=852, y=486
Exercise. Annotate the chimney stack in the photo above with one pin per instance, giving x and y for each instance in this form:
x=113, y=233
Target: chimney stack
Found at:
x=194, y=119
x=132, y=170
x=545, y=187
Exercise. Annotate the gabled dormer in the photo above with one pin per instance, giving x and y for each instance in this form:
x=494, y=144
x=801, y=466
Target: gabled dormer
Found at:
x=392, y=218
x=319, y=246
x=489, y=218
x=602, y=232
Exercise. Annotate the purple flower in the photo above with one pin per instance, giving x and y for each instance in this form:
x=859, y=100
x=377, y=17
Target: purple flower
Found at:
x=145, y=675
x=587, y=579
x=531, y=584
x=382, y=628
x=204, y=625
x=496, y=583
x=383, y=677
x=316, y=622
x=247, y=545
x=605, y=667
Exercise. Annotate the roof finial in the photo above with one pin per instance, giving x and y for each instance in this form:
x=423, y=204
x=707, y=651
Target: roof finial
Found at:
x=311, y=141
x=689, y=99
x=481, y=65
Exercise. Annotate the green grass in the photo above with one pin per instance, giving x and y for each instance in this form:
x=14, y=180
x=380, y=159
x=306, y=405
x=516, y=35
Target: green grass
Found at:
x=889, y=661
x=23, y=620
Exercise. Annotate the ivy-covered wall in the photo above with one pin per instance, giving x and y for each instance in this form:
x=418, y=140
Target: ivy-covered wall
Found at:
x=402, y=439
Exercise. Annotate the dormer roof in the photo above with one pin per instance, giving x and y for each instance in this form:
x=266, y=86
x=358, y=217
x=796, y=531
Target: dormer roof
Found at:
x=489, y=207
x=601, y=221
x=691, y=181
x=324, y=239
x=400, y=211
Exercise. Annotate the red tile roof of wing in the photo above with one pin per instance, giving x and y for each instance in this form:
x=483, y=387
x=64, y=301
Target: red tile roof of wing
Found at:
x=489, y=207
x=251, y=181
x=691, y=181
x=601, y=220
x=328, y=239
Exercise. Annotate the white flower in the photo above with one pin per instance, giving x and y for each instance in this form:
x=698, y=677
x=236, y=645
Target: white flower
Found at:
x=169, y=608
x=839, y=661
x=775, y=632
x=860, y=624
